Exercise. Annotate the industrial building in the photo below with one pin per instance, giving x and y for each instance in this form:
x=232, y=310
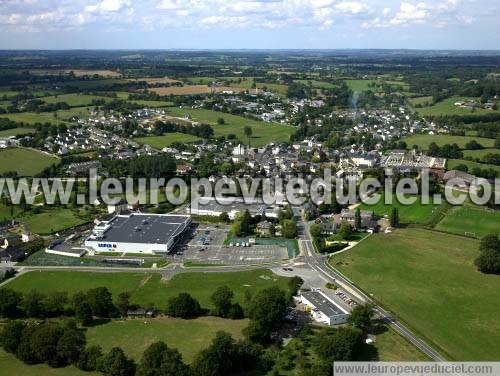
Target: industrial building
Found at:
x=212, y=207
x=138, y=233
x=323, y=309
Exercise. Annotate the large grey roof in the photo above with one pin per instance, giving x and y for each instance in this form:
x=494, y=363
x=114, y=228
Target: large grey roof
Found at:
x=143, y=228
x=322, y=304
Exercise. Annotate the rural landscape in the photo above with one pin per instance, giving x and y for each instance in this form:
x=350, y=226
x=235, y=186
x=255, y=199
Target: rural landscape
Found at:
x=145, y=228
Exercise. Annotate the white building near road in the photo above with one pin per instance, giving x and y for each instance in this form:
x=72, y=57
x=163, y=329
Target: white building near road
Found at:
x=323, y=309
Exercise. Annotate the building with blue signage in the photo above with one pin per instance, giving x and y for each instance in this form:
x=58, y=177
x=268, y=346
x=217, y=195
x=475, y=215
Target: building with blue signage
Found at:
x=138, y=233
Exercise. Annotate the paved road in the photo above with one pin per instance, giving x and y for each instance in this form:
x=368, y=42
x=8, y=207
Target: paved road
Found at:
x=319, y=263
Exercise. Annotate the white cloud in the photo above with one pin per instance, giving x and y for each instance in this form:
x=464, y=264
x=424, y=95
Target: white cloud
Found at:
x=353, y=7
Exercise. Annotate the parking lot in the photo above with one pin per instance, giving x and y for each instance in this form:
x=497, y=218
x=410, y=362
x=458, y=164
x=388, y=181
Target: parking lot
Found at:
x=205, y=245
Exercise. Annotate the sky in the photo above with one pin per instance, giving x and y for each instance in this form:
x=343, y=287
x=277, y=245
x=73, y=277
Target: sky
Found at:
x=249, y=24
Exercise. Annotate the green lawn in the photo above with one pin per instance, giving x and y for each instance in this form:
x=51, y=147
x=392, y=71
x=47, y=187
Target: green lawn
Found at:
x=416, y=213
x=15, y=132
x=10, y=365
x=424, y=140
x=159, y=142
x=26, y=162
x=447, y=107
x=263, y=133
x=429, y=281
x=148, y=288
x=392, y=347
x=475, y=219
x=452, y=163
x=188, y=336
x=51, y=221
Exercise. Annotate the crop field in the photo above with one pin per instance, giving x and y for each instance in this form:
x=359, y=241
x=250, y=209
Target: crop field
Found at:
x=416, y=213
x=447, y=107
x=188, y=336
x=480, y=152
x=424, y=140
x=159, y=142
x=26, y=162
x=239, y=83
x=51, y=221
x=452, y=163
x=428, y=280
x=154, y=80
x=471, y=219
x=15, y=132
x=149, y=288
x=263, y=133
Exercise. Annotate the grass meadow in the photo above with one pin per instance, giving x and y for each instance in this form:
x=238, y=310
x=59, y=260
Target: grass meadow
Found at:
x=149, y=288
x=447, y=107
x=470, y=219
x=452, y=163
x=428, y=280
x=15, y=132
x=26, y=162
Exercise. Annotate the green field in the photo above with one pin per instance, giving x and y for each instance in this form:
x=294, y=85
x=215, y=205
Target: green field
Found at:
x=480, y=152
x=447, y=107
x=416, y=213
x=10, y=365
x=52, y=221
x=26, y=162
x=428, y=280
x=263, y=133
x=452, y=163
x=15, y=132
x=188, y=336
x=420, y=101
x=360, y=85
x=149, y=288
x=159, y=142
x=391, y=347
x=424, y=140
x=75, y=99
x=48, y=117
x=471, y=219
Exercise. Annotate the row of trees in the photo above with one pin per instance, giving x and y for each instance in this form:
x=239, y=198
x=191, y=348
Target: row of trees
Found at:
x=488, y=260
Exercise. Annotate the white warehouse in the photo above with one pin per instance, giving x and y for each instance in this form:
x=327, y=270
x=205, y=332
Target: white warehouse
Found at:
x=138, y=233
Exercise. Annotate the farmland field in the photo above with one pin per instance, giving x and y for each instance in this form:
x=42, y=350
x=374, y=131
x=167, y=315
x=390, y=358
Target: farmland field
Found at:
x=74, y=100
x=149, y=288
x=424, y=140
x=447, y=107
x=51, y=221
x=480, y=152
x=428, y=280
x=471, y=219
x=188, y=336
x=78, y=72
x=191, y=89
x=360, y=85
x=263, y=133
x=26, y=162
x=159, y=142
x=416, y=213
x=452, y=163
x=420, y=100
x=47, y=117
x=15, y=132
x=318, y=84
